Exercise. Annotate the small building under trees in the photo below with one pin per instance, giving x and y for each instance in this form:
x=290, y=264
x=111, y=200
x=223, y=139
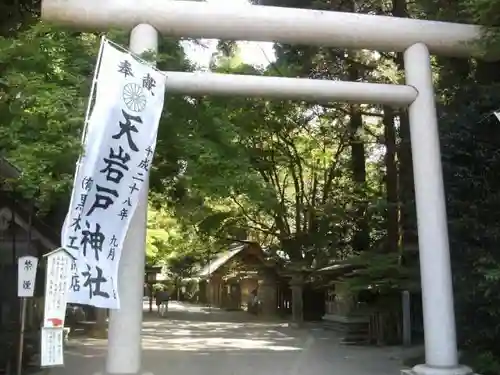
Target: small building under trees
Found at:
x=366, y=309
x=229, y=280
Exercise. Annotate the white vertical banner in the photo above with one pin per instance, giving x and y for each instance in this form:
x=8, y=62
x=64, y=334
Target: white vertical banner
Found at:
x=118, y=151
x=26, y=275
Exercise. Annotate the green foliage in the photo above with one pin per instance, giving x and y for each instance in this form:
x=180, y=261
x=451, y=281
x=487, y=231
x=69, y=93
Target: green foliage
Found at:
x=483, y=360
x=486, y=13
x=45, y=79
x=182, y=267
x=473, y=232
x=469, y=95
x=381, y=272
x=168, y=239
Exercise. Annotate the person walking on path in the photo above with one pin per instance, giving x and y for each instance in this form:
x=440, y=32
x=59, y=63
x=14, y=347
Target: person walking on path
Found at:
x=162, y=298
x=253, y=303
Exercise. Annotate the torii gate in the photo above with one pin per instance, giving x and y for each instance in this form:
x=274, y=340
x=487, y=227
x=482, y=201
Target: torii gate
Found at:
x=416, y=38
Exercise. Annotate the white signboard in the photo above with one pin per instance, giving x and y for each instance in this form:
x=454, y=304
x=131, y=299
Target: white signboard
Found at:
x=57, y=282
x=118, y=151
x=26, y=275
x=52, y=347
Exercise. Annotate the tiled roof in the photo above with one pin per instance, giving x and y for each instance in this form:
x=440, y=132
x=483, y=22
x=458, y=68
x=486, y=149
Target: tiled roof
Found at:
x=221, y=259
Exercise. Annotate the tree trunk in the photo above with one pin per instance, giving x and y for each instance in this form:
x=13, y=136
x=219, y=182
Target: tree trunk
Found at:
x=267, y=294
x=297, y=286
x=151, y=296
x=361, y=238
x=391, y=182
x=408, y=215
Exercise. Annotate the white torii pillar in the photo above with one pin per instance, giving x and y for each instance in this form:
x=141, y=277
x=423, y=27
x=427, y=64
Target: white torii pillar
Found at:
x=416, y=38
x=125, y=324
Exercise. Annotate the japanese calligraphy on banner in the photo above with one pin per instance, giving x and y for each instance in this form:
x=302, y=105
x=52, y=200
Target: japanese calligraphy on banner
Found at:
x=118, y=150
